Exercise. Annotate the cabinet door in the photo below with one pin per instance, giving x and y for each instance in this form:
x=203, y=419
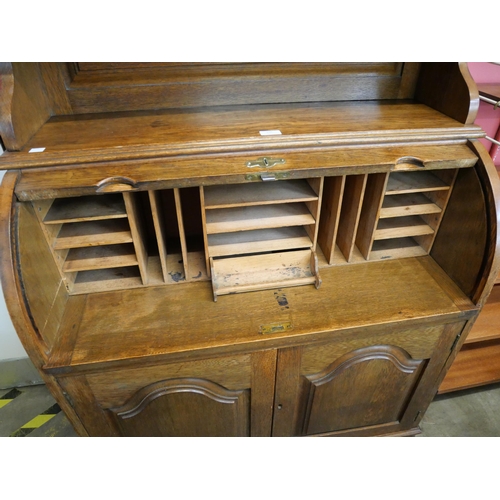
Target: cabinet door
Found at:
x=361, y=386
x=228, y=396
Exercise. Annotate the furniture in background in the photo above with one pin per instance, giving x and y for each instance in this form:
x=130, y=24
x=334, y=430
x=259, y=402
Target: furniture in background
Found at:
x=478, y=362
x=244, y=249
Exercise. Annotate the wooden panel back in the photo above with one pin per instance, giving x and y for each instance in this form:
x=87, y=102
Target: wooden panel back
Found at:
x=460, y=245
x=98, y=87
x=24, y=106
x=449, y=88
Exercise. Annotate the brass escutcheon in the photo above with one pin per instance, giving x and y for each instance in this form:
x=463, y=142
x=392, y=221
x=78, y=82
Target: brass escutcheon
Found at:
x=265, y=162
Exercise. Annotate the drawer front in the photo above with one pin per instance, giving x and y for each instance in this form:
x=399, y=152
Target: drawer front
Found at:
x=42, y=183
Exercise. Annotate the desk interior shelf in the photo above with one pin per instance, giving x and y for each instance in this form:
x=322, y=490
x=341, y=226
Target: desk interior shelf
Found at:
x=118, y=240
x=245, y=225
x=411, y=209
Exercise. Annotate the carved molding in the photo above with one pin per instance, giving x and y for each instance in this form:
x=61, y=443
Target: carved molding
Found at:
x=145, y=396
x=322, y=415
x=399, y=357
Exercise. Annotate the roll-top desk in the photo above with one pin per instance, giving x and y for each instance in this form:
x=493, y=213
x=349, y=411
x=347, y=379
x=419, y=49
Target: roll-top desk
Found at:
x=244, y=249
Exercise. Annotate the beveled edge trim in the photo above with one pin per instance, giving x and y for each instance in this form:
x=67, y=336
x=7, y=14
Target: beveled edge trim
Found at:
x=144, y=396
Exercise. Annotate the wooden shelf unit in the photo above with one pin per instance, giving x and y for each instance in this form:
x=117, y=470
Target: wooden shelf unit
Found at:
x=261, y=218
x=164, y=286
x=104, y=245
x=411, y=211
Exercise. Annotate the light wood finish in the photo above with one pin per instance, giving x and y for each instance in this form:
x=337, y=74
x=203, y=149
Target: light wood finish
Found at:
x=396, y=249
x=370, y=212
x=11, y=285
x=84, y=234
x=413, y=182
x=314, y=206
x=85, y=208
x=101, y=257
x=261, y=218
x=24, y=106
x=350, y=213
x=160, y=133
x=107, y=279
x=330, y=212
x=258, y=240
x=348, y=337
x=137, y=231
x=46, y=291
x=188, y=330
x=63, y=181
x=258, y=194
x=408, y=204
x=182, y=234
x=261, y=272
x=159, y=225
x=268, y=216
x=400, y=227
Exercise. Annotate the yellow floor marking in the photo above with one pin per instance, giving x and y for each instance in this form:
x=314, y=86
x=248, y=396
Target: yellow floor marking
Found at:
x=3, y=402
x=37, y=421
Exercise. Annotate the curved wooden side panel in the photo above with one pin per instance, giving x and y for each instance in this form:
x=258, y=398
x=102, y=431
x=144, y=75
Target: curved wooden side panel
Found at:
x=368, y=386
x=14, y=296
x=450, y=89
x=11, y=284
x=185, y=407
x=467, y=245
x=24, y=105
x=461, y=242
x=488, y=177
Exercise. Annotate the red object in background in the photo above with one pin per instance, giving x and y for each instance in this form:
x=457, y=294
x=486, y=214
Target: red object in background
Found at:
x=488, y=117
x=495, y=148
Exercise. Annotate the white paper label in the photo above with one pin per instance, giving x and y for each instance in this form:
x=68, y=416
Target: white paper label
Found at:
x=270, y=132
x=36, y=150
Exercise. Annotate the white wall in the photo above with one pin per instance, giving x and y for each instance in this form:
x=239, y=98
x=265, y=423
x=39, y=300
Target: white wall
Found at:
x=10, y=346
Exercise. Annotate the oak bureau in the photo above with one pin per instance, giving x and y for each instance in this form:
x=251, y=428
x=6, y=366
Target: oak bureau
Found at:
x=244, y=249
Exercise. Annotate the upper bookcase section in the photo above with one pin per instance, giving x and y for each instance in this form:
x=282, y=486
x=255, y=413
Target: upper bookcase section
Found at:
x=71, y=113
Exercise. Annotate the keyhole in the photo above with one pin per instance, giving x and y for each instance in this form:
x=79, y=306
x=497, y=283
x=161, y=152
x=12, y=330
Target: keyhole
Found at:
x=280, y=406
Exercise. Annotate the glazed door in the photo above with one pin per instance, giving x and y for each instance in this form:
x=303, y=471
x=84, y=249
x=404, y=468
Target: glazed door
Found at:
x=220, y=397
x=366, y=386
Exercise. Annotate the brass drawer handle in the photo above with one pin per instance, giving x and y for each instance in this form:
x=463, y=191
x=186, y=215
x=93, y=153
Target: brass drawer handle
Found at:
x=112, y=184
x=265, y=162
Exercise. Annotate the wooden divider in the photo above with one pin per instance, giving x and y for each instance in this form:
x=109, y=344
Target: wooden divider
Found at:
x=138, y=236
x=350, y=213
x=333, y=191
x=159, y=225
x=372, y=203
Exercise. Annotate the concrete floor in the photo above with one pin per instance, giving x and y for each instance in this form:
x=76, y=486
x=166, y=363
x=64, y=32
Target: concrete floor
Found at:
x=469, y=413
x=32, y=412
